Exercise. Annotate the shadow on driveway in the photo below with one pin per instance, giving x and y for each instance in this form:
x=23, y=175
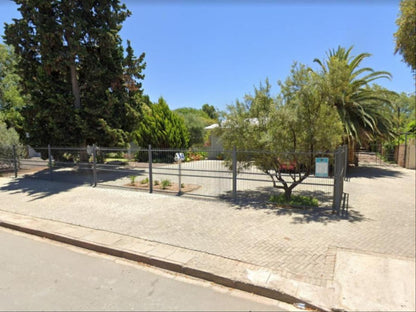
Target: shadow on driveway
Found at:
x=42, y=184
x=259, y=200
x=372, y=172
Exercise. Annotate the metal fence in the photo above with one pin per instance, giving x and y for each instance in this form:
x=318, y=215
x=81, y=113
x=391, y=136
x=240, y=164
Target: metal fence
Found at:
x=375, y=155
x=200, y=173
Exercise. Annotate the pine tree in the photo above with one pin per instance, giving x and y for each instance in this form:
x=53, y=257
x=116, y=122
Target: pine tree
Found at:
x=161, y=127
x=72, y=64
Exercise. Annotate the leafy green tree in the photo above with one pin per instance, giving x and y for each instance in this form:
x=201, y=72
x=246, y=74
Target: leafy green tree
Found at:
x=347, y=87
x=8, y=138
x=210, y=111
x=72, y=64
x=11, y=99
x=195, y=120
x=161, y=127
x=406, y=33
x=289, y=130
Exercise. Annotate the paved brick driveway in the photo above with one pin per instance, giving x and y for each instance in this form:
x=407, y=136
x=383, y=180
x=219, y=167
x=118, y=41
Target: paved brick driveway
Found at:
x=297, y=244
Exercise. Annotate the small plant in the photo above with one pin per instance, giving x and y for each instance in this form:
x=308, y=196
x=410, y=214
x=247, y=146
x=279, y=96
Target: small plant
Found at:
x=132, y=179
x=220, y=156
x=156, y=182
x=165, y=184
x=144, y=181
x=295, y=200
x=195, y=156
x=182, y=185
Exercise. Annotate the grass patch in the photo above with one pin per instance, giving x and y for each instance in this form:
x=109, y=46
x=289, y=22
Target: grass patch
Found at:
x=295, y=200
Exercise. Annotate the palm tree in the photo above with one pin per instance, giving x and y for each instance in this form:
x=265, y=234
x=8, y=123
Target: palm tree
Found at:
x=361, y=109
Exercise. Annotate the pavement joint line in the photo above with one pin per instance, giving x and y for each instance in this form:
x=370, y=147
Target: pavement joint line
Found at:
x=164, y=263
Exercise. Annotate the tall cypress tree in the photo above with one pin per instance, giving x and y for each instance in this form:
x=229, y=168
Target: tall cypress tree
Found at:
x=73, y=67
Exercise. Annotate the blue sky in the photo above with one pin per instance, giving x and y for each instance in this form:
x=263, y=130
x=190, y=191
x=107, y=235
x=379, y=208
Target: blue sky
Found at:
x=215, y=51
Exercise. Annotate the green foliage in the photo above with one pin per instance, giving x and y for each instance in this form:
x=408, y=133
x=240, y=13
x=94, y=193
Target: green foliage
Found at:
x=8, y=136
x=292, y=128
x=346, y=86
x=194, y=156
x=411, y=127
x=11, y=99
x=295, y=200
x=144, y=181
x=406, y=32
x=165, y=184
x=132, y=179
x=210, y=111
x=82, y=89
x=195, y=120
x=161, y=127
x=156, y=183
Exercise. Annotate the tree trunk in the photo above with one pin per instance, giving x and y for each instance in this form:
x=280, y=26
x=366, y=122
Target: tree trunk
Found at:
x=288, y=193
x=75, y=86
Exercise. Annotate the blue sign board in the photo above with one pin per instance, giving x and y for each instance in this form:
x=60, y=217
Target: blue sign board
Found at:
x=321, y=167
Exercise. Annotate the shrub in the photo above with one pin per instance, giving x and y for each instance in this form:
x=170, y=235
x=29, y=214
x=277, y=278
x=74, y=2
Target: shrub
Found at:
x=144, y=181
x=132, y=179
x=156, y=182
x=165, y=184
x=193, y=156
x=295, y=200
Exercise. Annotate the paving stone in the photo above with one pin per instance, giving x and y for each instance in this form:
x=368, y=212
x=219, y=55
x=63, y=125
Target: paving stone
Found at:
x=299, y=245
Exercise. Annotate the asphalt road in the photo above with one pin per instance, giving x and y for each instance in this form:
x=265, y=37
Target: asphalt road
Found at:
x=39, y=274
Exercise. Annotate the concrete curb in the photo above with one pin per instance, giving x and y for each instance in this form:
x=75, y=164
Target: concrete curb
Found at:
x=190, y=270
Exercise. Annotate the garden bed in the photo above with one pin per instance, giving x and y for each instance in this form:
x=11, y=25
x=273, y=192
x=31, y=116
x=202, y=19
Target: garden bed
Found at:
x=173, y=187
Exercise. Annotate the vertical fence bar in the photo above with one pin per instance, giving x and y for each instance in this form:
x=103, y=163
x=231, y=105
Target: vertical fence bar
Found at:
x=405, y=150
x=180, y=174
x=234, y=174
x=339, y=174
x=15, y=161
x=50, y=161
x=94, y=165
x=345, y=159
x=150, y=170
x=335, y=199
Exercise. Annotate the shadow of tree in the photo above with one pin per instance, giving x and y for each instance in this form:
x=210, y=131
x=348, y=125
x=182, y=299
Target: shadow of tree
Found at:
x=372, y=172
x=42, y=183
x=259, y=199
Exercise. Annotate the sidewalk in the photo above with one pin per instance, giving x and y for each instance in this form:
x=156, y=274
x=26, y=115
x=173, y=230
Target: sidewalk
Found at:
x=292, y=256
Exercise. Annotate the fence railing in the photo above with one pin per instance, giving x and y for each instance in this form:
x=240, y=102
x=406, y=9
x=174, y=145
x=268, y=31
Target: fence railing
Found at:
x=206, y=173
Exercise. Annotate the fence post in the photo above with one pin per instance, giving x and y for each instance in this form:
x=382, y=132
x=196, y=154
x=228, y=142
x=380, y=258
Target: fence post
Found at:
x=150, y=170
x=345, y=159
x=94, y=165
x=405, y=150
x=180, y=174
x=234, y=173
x=15, y=161
x=339, y=174
x=50, y=161
x=335, y=199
